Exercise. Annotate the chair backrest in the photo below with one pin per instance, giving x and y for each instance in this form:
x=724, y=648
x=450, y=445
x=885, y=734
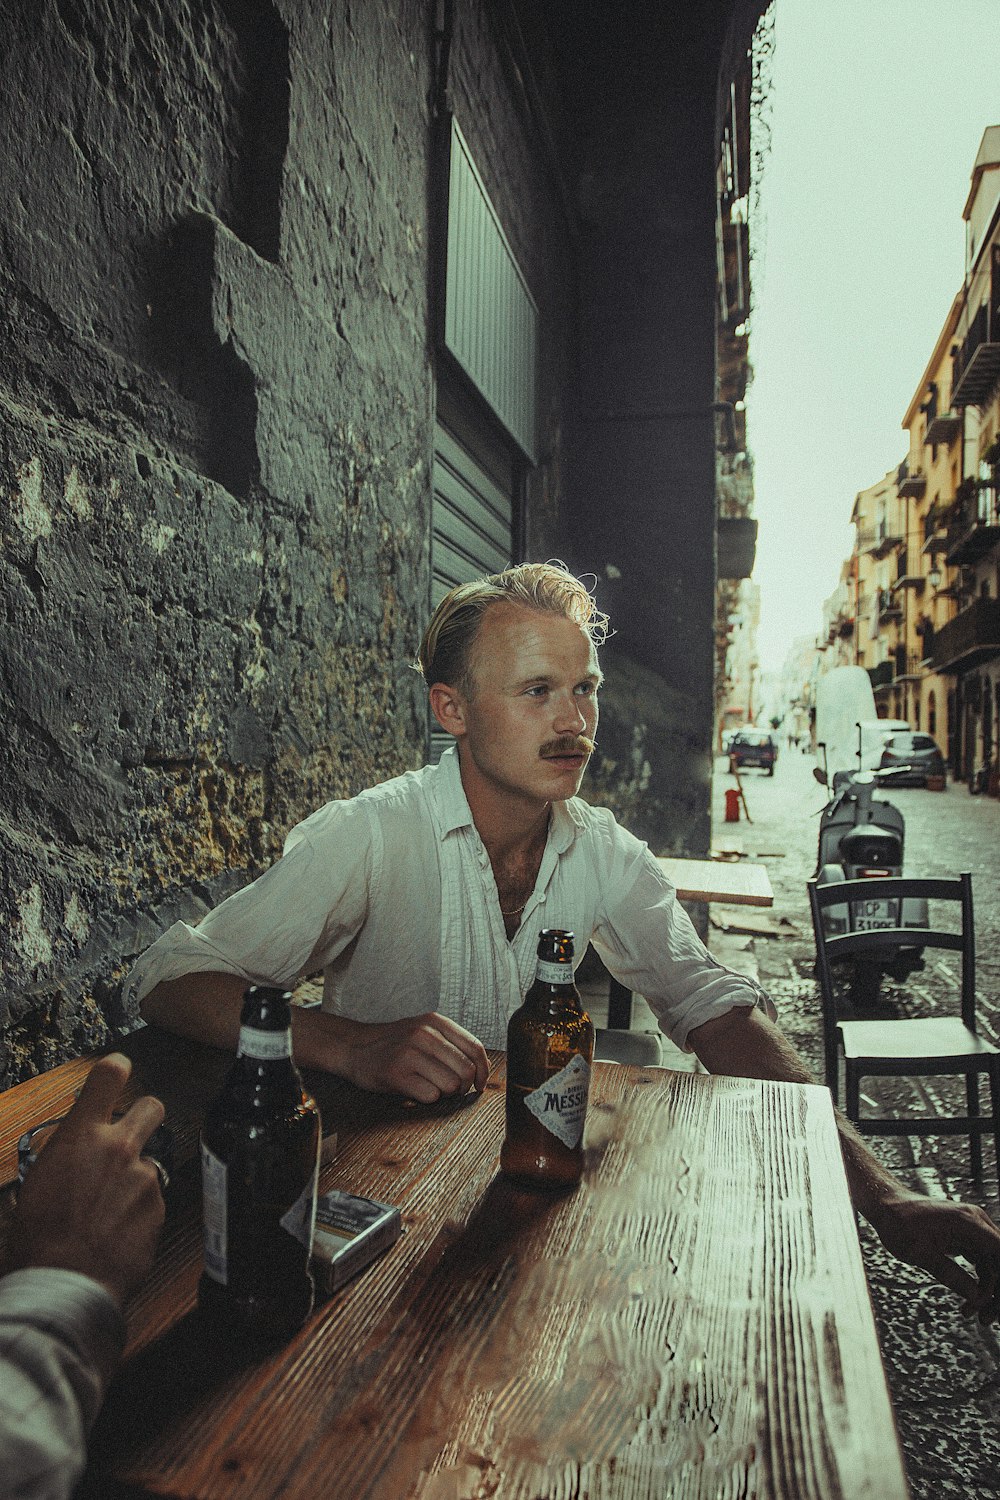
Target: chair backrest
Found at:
x=833, y=947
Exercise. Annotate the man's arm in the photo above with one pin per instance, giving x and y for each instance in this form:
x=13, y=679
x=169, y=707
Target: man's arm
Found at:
x=423, y=1057
x=82, y=1238
x=926, y=1232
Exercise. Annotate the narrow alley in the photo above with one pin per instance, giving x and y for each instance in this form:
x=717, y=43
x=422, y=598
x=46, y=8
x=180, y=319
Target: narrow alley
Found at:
x=944, y=1371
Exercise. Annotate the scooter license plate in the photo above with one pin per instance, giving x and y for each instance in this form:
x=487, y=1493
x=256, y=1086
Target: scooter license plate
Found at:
x=871, y=916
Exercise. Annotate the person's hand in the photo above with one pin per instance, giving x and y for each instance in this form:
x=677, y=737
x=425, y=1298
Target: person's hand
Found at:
x=91, y=1202
x=931, y=1232
x=423, y=1057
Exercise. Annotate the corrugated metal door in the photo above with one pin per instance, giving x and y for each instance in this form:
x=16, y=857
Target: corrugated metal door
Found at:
x=471, y=529
x=491, y=320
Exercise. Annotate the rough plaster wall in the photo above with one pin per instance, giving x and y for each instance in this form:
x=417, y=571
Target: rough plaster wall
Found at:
x=640, y=438
x=214, y=418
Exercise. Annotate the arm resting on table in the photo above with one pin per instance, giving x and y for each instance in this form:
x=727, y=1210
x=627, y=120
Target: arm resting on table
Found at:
x=926, y=1232
x=422, y=1056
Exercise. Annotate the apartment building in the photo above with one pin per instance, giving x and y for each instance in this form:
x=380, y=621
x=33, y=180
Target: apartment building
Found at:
x=879, y=519
x=928, y=485
x=966, y=646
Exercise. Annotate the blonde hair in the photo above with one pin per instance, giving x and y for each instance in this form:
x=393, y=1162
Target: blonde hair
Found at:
x=448, y=639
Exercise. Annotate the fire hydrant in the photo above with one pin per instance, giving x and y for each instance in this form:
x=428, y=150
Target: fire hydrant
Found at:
x=732, y=805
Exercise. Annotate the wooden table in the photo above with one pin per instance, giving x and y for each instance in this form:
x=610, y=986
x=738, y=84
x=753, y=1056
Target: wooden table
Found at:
x=733, y=882
x=692, y=1321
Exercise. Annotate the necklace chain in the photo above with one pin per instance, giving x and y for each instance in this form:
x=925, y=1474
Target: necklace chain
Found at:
x=514, y=909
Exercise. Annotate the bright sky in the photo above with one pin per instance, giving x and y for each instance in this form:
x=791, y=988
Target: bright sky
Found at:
x=877, y=111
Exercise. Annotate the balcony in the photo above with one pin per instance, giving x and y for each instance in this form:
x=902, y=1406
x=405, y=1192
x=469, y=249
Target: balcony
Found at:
x=942, y=428
x=882, y=675
x=908, y=483
x=975, y=527
x=969, y=639
x=976, y=364
x=908, y=575
x=841, y=625
x=889, y=606
x=936, y=524
x=866, y=538
x=907, y=665
x=887, y=537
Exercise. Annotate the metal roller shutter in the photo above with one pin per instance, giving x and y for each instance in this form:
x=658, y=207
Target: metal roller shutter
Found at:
x=471, y=530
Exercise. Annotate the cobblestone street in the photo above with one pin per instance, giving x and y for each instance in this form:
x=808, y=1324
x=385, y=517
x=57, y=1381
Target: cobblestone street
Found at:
x=944, y=1372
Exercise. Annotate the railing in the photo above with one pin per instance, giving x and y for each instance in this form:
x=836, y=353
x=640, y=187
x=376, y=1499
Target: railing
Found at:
x=907, y=663
x=976, y=364
x=978, y=333
x=883, y=674
x=975, y=523
x=973, y=635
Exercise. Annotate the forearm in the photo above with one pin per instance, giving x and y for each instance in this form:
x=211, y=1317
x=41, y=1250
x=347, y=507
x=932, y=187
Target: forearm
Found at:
x=422, y=1056
x=206, y=1007
x=60, y=1337
x=745, y=1044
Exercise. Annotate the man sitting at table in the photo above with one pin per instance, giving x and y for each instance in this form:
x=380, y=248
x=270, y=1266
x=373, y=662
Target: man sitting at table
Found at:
x=83, y=1237
x=433, y=887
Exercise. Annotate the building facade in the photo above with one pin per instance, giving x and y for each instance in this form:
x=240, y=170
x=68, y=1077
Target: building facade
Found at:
x=966, y=648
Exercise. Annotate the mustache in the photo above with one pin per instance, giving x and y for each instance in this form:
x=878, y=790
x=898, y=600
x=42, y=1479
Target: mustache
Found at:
x=568, y=744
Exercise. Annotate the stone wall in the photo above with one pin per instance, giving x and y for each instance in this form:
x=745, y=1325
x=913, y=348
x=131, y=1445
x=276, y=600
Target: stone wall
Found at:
x=215, y=429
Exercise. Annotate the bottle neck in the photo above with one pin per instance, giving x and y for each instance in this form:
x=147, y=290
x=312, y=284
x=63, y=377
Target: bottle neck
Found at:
x=264, y=1046
x=551, y=972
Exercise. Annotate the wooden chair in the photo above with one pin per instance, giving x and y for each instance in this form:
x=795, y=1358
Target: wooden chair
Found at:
x=939, y=1044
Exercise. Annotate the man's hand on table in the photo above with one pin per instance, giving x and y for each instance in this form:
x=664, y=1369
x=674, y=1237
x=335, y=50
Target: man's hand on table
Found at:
x=91, y=1202
x=925, y=1232
x=931, y=1232
x=424, y=1057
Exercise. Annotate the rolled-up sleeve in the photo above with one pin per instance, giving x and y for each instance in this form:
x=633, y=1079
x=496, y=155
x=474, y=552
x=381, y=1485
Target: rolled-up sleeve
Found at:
x=293, y=920
x=61, y=1335
x=647, y=941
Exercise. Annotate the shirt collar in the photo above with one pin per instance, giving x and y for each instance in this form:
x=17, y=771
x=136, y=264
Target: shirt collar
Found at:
x=453, y=812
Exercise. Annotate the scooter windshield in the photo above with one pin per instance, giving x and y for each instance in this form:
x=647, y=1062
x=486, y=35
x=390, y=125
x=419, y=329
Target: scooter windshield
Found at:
x=844, y=699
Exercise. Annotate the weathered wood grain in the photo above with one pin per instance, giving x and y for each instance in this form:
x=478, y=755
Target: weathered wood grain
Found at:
x=693, y=1321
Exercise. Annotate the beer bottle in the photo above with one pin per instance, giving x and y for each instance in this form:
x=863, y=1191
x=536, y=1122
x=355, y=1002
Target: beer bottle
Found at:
x=550, y=1047
x=260, y=1161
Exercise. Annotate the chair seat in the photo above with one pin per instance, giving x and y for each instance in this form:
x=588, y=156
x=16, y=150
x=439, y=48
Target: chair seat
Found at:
x=640, y=1049
x=921, y=1040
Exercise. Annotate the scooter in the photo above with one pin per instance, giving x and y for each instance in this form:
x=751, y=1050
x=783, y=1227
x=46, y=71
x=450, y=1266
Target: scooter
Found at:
x=860, y=836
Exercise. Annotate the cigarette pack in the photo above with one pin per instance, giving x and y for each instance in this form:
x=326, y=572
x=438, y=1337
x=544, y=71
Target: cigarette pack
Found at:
x=350, y=1233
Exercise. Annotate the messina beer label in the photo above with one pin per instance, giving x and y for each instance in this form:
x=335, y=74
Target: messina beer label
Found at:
x=266, y=1046
x=560, y=1103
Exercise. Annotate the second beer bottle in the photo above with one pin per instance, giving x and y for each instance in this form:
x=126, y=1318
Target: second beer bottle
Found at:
x=260, y=1160
x=550, y=1049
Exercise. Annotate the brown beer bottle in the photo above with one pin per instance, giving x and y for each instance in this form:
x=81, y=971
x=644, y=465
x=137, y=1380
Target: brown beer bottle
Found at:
x=260, y=1161
x=550, y=1048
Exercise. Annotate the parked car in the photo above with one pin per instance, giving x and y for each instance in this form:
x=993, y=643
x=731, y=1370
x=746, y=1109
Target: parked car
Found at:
x=873, y=734
x=918, y=751
x=753, y=747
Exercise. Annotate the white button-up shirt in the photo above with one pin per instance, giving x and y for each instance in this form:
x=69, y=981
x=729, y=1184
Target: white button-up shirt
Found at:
x=391, y=893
